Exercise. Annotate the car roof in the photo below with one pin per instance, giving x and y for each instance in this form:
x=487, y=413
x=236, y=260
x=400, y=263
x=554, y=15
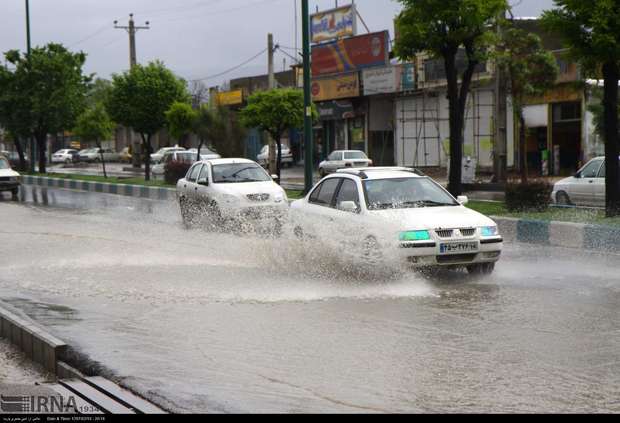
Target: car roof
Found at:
x=216, y=162
x=370, y=173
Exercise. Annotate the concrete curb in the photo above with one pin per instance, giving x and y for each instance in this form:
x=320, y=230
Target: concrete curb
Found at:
x=38, y=345
x=560, y=234
x=138, y=191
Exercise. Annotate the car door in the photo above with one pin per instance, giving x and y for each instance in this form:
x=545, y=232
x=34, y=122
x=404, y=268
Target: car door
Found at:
x=190, y=185
x=203, y=188
x=599, y=187
x=582, y=189
x=348, y=222
x=319, y=211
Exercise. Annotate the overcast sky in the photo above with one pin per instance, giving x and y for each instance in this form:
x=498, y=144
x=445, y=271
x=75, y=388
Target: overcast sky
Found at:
x=195, y=38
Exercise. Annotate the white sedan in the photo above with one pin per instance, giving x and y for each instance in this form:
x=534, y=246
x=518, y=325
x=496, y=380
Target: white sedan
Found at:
x=231, y=191
x=384, y=212
x=586, y=188
x=9, y=179
x=64, y=156
x=287, y=156
x=342, y=160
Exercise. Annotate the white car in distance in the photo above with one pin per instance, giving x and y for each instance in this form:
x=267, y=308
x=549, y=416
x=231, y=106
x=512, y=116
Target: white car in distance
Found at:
x=344, y=159
x=9, y=179
x=375, y=209
x=188, y=156
x=66, y=156
x=287, y=156
x=231, y=191
x=157, y=157
x=585, y=188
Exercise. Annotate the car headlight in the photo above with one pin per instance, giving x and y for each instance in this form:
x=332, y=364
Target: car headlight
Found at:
x=489, y=231
x=230, y=200
x=279, y=197
x=415, y=236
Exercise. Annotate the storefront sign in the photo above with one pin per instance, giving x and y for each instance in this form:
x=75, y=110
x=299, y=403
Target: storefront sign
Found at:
x=335, y=23
x=350, y=54
x=408, y=77
x=385, y=80
x=344, y=86
x=335, y=110
x=229, y=98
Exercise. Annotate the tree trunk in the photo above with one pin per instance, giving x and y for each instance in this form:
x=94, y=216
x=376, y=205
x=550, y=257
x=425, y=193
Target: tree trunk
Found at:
x=522, y=149
x=41, y=145
x=272, y=159
x=146, y=147
x=200, y=144
x=98, y=144
x=611, y=75
x=20, y=153
x=279, y=158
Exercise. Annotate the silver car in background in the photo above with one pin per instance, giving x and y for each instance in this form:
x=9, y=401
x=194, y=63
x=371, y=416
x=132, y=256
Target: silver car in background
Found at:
x=585, y=188
x=343, y=159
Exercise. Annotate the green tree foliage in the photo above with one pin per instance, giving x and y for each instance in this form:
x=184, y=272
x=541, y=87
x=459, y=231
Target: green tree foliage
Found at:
x=181, y=120
x=140, y=99
x=530, y=71
x=50, y=88
x=17, y=128
x=226, y=132
x=441, y=28
x=591, y=30
x=598, y=111
x=94, y=124
x=274, y=112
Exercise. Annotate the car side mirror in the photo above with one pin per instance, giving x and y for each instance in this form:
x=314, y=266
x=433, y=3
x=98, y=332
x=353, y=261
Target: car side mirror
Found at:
x=462, y=200
x=348, y=206
x=203, y=182
x=275, y=177
x=578, y=175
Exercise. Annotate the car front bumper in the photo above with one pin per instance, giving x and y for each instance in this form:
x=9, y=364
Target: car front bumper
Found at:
x=9, y=185
x=429, y=254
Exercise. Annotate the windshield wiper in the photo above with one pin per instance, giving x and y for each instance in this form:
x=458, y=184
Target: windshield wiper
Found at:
x=426, y=203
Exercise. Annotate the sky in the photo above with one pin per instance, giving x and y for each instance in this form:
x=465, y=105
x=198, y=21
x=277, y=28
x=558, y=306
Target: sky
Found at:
x=197, y=39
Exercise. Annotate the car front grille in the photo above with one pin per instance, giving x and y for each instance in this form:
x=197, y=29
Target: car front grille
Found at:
x=456, y=258
x=452, y=233
x=445, y=233
x=258, y=197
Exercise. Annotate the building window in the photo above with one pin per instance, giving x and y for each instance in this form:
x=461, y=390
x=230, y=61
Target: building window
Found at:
x=566, y=112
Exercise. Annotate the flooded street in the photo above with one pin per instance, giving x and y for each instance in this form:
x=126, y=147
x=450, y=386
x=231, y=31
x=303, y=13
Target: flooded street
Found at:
x=208, y=322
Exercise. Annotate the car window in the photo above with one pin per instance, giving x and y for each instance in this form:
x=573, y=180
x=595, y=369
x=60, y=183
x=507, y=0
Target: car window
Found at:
x=193, y=174
x=204, y=174
x=4, y=164
x=348, y=192
x=398, y=193
x=239, y=173
x=355, y=155
x=334, y=157
x=324, y=194
x=591, y=169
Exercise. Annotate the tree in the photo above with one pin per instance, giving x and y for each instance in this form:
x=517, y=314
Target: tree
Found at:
x=181, y=119
x=16, y=128
x=442, y=28
x=592, y=33
x=51, y=91
x=140, y=99
x=94, y=124
x=598, y=111
x=274, y=112
x=530, y=71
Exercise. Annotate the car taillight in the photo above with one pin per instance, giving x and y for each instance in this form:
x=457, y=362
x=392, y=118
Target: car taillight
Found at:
x=348, y=164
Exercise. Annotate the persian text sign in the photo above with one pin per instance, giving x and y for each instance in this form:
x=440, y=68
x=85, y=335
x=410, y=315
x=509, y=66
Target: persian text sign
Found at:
x=383, y=80
x=335, y=23
x=343, y=86
x=350, y=54
x=229, y=98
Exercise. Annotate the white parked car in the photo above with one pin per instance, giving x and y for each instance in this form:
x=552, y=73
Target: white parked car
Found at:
x=189, y=157
x=385, y=212
x=66, y=156
x=586, y=188
x=234, y=191
x=342, y=160
x=9, y=179
x=93, y=155
x=287, y=156
x=157, y=157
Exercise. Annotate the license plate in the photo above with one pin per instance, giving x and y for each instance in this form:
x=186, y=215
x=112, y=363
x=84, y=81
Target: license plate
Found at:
x=458, y=247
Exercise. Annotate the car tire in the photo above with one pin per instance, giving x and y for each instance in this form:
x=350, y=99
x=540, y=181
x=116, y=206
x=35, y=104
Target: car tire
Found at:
x=481, y=269
x=371, y=250
x=15, y=193
x=562, y=199
x=185, y=214
x=68, y=161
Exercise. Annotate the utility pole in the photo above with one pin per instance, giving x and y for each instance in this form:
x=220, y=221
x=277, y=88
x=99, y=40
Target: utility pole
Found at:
x=308, y=141
x=28, y=48
x=272, y=84
x=131, y=29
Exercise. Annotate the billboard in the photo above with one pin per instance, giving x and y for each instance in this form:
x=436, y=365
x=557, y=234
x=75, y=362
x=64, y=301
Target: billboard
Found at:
x=350, y=54
x=384, y=80
x=229, y=98
x=342, y=86
x=334, y=23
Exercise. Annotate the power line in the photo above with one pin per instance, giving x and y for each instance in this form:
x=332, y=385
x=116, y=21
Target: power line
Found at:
x=231, y=69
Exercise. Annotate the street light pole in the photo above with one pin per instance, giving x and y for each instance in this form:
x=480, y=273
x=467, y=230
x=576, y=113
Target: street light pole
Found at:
x=308, y=141
x=32, y=155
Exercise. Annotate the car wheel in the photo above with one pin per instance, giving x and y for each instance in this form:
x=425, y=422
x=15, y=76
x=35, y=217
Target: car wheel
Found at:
x=68, y=161
x=185, y=214
x=371, y=250
x=563, y=199
x=15, y=192
x=482, y=269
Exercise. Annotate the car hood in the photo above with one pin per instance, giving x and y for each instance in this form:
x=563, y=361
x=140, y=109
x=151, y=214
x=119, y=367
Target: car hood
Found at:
x=244, y=189
x=434, y=218
x=565, y=181
x=4, y=173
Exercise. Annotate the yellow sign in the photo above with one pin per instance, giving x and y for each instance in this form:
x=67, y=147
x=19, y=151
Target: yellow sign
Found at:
x=344, y=86
x=229, y=98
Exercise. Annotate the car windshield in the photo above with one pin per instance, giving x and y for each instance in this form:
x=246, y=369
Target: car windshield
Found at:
x=238, y=173
x=4, y=164
x=355, y=155
x=402, y=193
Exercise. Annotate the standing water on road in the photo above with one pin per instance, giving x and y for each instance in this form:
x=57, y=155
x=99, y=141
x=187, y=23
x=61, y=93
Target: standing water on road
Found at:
x=201, y=321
